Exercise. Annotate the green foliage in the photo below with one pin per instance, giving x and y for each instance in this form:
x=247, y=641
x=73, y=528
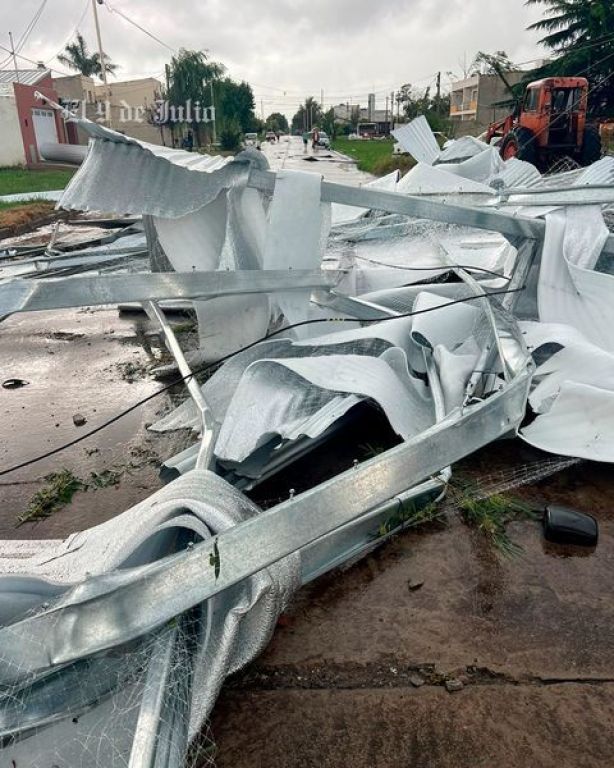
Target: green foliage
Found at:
x=15, y=181
x=489, y=514
x=409, y=514
x=307, y=116
x=277, y=122
x=76, y=56
x=234, y=103
x=579, y=33
x=59, y=490
x=491, y=63
x=230, y=136
x=436, y=109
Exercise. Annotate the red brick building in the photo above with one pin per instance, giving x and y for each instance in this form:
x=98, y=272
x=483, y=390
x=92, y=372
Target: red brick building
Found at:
x=26, y=122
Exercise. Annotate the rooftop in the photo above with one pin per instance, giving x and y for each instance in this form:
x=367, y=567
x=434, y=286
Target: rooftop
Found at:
x=23, y=76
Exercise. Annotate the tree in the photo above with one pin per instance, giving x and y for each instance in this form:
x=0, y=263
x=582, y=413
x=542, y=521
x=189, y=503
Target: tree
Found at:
x=579, y=33
x=76, y=56
x=277, y=122
x=414, y=103
x=308, y=115
x=491, y=63
x=234, y=102
x=189, y=75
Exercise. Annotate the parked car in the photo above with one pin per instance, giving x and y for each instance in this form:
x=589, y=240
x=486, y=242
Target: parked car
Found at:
x=270, y=136
x=251, y=140
x=323, y=140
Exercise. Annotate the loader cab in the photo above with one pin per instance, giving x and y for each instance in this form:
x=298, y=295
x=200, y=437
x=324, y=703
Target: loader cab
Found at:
x=554, y=109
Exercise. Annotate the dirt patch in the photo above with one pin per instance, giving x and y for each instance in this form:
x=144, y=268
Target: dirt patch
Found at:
x=21, y=218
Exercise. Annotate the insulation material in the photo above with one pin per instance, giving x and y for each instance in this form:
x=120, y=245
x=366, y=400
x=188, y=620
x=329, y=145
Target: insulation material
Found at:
x=418, y=139
x=296, y=234
x=569, y=290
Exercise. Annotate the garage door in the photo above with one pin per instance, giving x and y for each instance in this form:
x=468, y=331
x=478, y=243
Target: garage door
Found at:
x=44, y=127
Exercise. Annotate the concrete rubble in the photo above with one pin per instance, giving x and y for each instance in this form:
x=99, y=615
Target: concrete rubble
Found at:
x=463, y=302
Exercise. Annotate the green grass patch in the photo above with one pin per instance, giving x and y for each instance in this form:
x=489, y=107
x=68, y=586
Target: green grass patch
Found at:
x=59, y=490
x=489, y=514
x=15, y=181
x=373, y=155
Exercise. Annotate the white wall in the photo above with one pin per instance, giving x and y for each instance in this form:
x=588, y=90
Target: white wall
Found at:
x=11, y=144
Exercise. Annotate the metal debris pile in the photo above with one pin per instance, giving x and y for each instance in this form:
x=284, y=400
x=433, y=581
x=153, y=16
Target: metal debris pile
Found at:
x=463, y=302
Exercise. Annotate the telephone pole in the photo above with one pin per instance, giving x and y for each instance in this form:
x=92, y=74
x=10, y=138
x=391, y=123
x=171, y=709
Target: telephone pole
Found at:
x=14, y=57
x=438, y=97
x=102, y=61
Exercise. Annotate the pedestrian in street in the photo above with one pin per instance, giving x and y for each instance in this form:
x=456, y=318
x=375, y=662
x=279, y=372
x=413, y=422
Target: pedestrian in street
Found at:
x=305, y=141
x=315, y=137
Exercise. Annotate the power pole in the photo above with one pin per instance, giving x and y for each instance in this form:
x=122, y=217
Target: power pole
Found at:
x=262, y=109
x=213, y=132
x=386, y=110
x=322, y=99
x=102, y=61
x=14, y=57
x=438, y=97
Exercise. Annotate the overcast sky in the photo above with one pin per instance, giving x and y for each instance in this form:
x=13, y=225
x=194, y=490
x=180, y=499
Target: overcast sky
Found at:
x=289, y=49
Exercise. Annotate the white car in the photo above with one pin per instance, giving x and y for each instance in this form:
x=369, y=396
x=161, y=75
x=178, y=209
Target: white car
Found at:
x=323, y=140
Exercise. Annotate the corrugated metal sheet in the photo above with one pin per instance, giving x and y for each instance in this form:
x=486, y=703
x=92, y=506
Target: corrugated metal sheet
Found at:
x=417, y=138
x=123, y=175
x=23, y=76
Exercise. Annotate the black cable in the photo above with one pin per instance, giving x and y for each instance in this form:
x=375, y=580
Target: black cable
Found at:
x=445, y=267
x=224, y=359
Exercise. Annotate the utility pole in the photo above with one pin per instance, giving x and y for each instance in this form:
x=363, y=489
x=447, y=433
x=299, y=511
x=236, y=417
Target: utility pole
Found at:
x=438, y=97
x=392, y=110
x=213, y=134
x=387, y=110
x=14, y=57
x=262, y=109
x=102, y=61
x=322, y=99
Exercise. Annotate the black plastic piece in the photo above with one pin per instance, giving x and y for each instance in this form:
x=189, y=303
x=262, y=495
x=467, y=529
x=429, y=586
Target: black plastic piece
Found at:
x=567, y=526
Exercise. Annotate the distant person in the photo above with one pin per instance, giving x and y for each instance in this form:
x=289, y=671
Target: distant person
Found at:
x=305, y=141
x=315, y=137
x=190, y=141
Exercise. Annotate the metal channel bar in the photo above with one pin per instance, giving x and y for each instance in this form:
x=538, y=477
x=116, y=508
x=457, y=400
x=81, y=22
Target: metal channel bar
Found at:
x=117, y=607
x=36, y=295
x=507, y=224
x=143, y=752
x=205, y=457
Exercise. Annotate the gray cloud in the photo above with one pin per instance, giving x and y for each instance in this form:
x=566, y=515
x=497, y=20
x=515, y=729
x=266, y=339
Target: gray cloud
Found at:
x=346, y=47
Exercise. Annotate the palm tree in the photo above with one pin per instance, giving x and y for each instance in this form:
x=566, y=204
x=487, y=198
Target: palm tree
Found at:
x=580, y=33
x=77, y=57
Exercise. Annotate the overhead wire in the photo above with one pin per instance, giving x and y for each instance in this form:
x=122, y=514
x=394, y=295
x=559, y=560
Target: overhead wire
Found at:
x=208, y=367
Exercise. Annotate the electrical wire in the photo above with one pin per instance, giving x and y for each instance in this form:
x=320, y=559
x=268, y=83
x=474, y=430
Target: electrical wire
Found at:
x=204, y=369
x=444, y=267
x=112, y=9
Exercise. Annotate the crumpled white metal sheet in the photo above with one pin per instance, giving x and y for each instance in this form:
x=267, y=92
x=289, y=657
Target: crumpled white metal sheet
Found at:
x=296, y=235
x=126, y=176
x=572, y=393
x=343, y=214
x=425, y=179
x=418, y=139
x=579, y=423
x=273, y=395
x=569, y=289
x=461, y=149
x=242, y=620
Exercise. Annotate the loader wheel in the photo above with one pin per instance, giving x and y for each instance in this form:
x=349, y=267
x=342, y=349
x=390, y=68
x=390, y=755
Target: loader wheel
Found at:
x=591, y=146
x=519, y=143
